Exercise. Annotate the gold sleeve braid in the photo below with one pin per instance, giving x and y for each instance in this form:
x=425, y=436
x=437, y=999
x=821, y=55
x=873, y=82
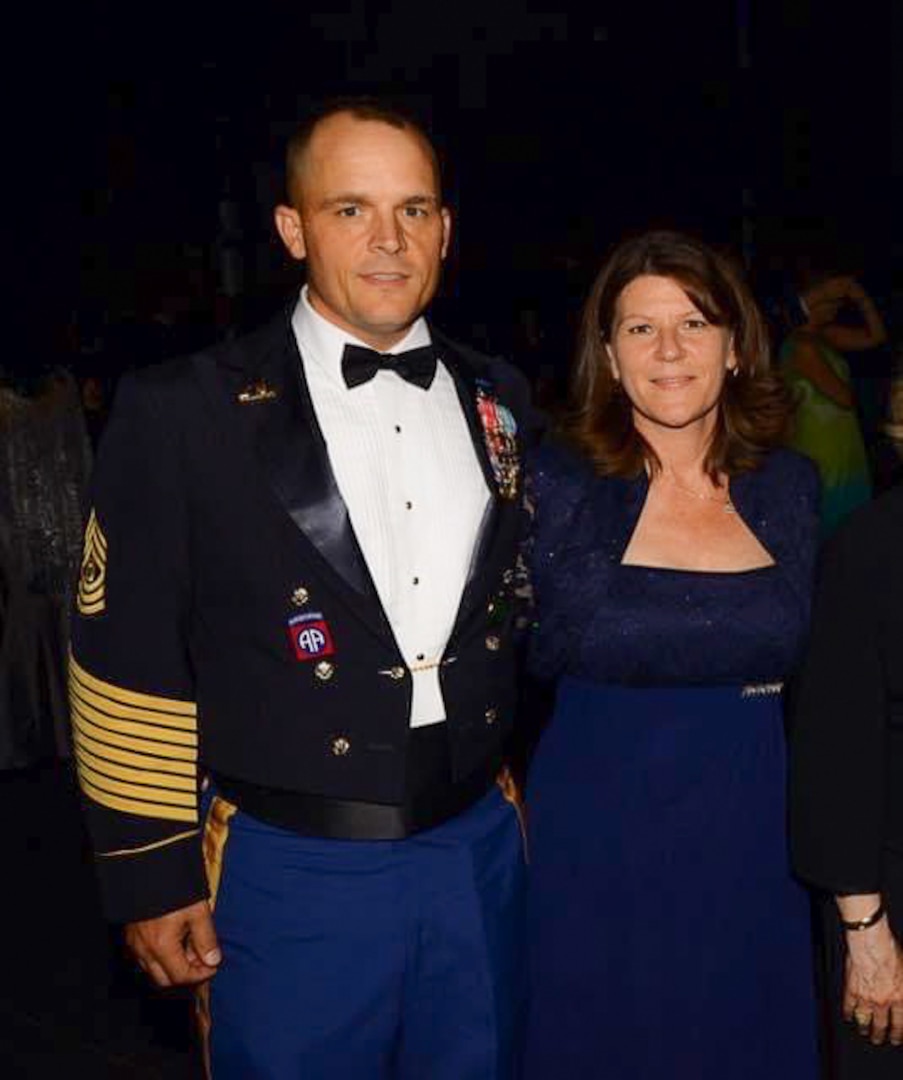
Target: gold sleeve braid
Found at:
x=136, y=753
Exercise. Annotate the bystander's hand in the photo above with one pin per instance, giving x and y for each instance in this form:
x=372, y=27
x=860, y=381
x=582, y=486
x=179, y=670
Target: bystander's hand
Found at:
x=873, y=987
x=176, y=949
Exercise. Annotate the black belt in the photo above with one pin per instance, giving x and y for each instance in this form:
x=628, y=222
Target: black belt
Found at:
x=351, y=819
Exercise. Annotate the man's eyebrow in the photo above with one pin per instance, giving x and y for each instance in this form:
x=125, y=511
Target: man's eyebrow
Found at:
x=343, y=197
x=346, y=197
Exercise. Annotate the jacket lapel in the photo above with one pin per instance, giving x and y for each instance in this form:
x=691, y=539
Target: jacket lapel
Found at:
x=292, y=454
x=264, y=378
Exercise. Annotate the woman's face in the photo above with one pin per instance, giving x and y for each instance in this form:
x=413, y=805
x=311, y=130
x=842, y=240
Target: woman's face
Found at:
x=670, y=360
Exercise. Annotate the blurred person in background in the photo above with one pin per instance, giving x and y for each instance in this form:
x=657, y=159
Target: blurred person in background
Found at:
x=826, y=425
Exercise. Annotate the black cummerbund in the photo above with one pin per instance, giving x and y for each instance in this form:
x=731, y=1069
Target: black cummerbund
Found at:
x=431, y=798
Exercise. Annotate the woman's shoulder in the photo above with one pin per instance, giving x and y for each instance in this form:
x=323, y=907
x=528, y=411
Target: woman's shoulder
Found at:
x=789, y=464
x=571, y=499
x=554, y=465
x=784, y=470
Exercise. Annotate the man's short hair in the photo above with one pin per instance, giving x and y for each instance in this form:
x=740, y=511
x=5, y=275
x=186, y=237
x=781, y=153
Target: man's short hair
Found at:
x=361, y=108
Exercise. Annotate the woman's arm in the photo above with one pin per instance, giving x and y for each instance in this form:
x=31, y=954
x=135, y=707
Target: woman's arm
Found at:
x=808, y=362
x=871, y=333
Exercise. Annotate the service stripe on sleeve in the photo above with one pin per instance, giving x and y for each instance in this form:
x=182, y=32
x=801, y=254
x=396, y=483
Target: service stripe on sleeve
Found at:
x=141, y=730
x=125, y=757
x=135, y=752
x=151, y=795
x=173, y=751
x=114, y=709
x=131, y=697
x=131, y=806
x=146, y=777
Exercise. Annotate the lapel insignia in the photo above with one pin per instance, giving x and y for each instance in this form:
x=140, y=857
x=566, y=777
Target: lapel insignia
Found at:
x=255, y=392
x=310, y=636
x=92, y=598
x=499, y=433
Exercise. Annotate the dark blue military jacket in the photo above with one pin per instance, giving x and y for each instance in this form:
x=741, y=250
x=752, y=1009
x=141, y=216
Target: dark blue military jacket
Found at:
x=226, y=621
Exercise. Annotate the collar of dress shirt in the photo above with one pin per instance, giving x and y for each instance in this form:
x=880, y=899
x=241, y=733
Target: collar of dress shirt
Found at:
x=323, y=343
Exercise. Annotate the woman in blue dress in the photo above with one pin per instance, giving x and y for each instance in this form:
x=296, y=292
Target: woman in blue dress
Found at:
x=672, y=564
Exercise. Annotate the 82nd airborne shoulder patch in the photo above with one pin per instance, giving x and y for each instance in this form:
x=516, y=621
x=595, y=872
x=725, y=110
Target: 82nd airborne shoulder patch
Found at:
x=92, y=599
x=310, y=636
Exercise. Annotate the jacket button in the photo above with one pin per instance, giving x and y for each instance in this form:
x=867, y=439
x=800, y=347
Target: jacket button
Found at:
x=491, y=716
x=340, y=746
x=300, y=596
x=324, y=671
x=395, y=673
x=493, y=643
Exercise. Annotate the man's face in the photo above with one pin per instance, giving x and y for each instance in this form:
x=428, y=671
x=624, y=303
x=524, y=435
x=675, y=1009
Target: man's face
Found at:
x=370, y=226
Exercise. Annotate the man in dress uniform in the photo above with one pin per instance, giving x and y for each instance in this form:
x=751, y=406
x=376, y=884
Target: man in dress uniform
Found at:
x=292, y=669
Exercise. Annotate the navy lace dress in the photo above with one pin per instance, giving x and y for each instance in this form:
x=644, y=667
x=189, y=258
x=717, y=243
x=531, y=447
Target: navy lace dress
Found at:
x=667, y=937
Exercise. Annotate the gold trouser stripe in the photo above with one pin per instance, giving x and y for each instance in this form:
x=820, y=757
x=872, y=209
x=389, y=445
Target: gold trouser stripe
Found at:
x=143, y=746
x=139, y=761
x=130, y=712
x=216, y=833
x=138, y=728
x=148, y=777
x=146, y=847
x=141, y=809
x=512, y=794
x=131, y=697
x=141, y=792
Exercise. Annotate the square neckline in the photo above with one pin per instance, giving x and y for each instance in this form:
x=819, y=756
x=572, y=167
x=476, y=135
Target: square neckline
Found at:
x=643, y=484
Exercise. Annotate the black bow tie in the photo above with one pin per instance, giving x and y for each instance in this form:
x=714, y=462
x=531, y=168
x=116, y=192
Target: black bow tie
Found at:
x=418, y=366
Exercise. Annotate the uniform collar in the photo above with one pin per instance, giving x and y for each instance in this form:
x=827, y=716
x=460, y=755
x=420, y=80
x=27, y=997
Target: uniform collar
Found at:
x=323, y=343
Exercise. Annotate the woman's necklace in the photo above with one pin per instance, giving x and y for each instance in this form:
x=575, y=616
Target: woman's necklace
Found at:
x=725, y=503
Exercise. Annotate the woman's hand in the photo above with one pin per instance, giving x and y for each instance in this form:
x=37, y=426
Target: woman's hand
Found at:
x=873, y=986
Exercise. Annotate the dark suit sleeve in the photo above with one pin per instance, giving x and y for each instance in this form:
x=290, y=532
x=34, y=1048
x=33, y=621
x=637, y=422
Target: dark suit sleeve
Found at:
x=135, y=727
x=839, y=731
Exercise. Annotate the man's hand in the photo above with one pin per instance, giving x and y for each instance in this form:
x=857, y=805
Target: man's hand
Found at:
x=873, y=988
x=176, y=949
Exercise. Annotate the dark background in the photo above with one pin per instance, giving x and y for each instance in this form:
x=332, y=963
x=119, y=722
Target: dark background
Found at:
x=144, y=142
x=142, y=147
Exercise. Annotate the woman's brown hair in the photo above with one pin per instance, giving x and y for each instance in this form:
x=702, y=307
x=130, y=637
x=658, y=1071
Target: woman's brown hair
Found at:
x=755, y=407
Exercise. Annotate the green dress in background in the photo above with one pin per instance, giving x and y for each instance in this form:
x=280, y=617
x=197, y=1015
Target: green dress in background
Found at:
x=829, y=434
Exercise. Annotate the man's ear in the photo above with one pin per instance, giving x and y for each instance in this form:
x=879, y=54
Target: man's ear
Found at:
x=290, y=229
x=446, y=229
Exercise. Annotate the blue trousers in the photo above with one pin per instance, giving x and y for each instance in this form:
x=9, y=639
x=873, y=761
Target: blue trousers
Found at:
x=367, y=960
